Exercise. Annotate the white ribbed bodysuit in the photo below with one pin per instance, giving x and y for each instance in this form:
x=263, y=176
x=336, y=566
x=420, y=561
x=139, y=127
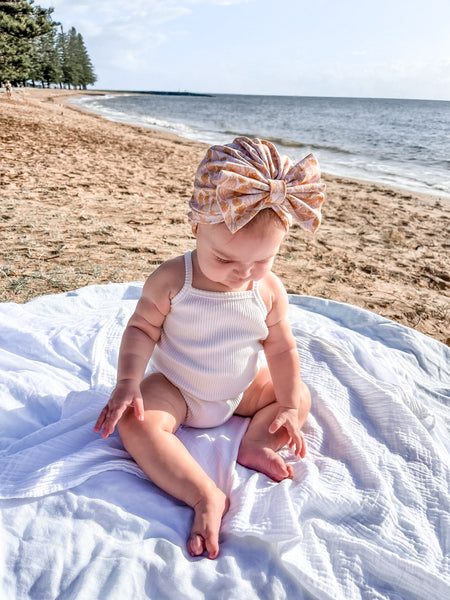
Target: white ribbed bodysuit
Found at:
x=209, y=348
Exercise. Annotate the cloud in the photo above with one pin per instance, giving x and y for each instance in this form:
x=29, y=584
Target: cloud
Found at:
x=120, y=35
x=152, y=12
x=129, y=25
x=115, y=13
x=365, y=78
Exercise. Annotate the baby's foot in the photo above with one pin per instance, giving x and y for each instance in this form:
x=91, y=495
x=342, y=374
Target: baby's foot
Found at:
x=256, y=456
x=204, y=534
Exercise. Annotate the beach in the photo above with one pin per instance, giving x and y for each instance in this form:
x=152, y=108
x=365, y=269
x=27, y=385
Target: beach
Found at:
x=89, y=201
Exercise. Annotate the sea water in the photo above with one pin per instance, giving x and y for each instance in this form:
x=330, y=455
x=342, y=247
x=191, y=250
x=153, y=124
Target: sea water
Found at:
x=403, y=143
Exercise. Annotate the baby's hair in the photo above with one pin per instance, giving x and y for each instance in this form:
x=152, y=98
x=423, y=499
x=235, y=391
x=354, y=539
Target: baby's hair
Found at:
x=266, y=217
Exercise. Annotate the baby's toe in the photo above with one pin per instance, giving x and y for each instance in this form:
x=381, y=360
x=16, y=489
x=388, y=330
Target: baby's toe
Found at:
x=196, y=544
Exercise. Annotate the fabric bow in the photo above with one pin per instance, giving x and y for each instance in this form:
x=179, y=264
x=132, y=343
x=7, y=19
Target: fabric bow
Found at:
x=234, y=182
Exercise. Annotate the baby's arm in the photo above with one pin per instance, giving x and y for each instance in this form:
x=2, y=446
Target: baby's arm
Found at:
x=284, y=365
x=140, y=336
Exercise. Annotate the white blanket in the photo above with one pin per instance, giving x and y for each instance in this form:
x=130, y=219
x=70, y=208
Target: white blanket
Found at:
x=366, y=516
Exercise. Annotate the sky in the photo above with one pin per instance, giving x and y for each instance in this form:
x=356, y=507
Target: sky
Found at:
x=348, y=48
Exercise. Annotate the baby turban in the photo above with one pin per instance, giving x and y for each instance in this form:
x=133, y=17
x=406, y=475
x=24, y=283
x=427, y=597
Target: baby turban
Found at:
x=235, y=182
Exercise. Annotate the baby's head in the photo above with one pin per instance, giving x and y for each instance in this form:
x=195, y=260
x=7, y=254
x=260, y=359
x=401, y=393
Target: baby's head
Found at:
x=236, y=182
x=246, y=197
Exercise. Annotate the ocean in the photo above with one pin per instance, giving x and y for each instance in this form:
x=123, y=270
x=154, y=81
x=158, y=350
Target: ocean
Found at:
x=402, y=143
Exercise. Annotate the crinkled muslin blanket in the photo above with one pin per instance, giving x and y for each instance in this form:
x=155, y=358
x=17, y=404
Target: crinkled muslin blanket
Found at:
x=367, y=514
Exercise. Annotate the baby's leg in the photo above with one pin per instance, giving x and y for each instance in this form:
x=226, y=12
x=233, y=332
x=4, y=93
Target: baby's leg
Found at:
x=258, y=449
x=167, y=462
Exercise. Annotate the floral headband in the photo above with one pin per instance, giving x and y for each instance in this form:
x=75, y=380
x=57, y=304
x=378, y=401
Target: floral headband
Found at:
x=235, y=182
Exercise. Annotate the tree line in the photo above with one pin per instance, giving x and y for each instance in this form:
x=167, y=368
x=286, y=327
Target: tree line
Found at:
x=35, y=48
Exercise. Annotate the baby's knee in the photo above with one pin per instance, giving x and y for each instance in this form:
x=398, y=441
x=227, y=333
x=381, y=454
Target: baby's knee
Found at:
x=164, y=407
x=153, y=385
x=127, y=421
x=154, y=424
x=305, y=395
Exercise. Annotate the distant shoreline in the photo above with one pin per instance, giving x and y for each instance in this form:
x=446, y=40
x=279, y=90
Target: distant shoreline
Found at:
x=152, y=93
x=212, y=94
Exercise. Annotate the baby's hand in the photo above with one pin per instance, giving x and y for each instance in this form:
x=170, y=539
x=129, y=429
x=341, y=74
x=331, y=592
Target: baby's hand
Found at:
x=126, y=393
x=288, y=418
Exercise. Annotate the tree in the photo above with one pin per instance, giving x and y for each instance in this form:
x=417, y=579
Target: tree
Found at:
x=20, y=23
x=45, y=65
x=87, y=69
x=31, y=48
x=76, y=65
x=61, y=47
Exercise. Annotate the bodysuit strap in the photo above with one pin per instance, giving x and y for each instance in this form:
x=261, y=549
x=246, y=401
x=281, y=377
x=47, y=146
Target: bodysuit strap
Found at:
x=188, y=268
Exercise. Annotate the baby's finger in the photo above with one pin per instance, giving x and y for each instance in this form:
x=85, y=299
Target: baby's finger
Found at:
x=275, y=425
x=108, y=429
x=300, y=449
x=139, y=408
x=295, y=441
x=111, y=421
x=303, y=450
x=101, y=419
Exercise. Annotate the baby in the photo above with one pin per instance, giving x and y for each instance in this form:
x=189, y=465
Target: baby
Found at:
x=203, y=318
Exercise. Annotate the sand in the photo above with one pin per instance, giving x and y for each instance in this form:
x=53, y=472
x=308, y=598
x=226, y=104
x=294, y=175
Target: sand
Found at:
x=86, y=201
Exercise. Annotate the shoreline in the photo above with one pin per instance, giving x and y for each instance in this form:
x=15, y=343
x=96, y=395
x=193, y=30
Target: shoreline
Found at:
x=88, y=200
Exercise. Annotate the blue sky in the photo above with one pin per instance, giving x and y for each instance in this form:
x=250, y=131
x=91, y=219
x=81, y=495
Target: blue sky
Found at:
x=387, y=48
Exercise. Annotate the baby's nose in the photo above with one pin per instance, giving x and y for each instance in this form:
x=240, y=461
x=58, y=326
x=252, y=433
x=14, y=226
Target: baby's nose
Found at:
x=244, y=270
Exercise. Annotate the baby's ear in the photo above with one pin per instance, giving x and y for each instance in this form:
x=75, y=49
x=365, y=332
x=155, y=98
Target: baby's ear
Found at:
x=194, y=227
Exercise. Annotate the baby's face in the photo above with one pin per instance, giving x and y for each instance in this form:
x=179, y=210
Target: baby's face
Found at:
x=233, y=260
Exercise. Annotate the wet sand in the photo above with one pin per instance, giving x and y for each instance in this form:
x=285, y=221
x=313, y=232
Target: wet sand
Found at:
x=85, y=200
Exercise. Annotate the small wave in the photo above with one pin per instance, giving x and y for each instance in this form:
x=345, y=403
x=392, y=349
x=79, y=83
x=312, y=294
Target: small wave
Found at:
x=98, y=106
x=336, y=149
x=246, y=134
x=287, y=143
x=441, y=187
x=163, y=124
x=94, y=100
x=275, y=140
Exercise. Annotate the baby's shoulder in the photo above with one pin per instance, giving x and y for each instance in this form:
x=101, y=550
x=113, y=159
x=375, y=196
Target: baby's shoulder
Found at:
x=272, y=291
x=168, y=279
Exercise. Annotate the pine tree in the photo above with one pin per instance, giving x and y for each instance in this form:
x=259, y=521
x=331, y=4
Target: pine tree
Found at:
x=61, y=48
x=45, y=63
x=71, y=67
x=76, y=65
x=87, y=70
x=20, y=23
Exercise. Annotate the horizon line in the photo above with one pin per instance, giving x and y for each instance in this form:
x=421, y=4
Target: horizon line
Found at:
x=190, y=93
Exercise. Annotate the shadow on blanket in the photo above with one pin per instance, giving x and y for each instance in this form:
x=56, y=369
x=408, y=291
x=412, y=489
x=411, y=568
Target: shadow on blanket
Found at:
x=366, y=516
